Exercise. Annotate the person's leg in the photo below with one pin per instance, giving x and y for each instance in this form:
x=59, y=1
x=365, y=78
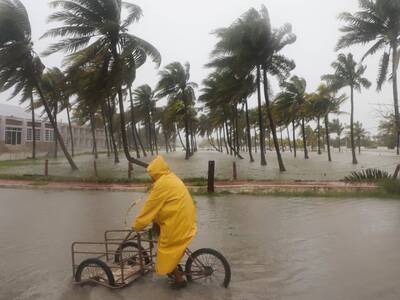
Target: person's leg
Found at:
x=178, y=274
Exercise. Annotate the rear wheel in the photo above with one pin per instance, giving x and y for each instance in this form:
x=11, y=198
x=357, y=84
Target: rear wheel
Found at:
x=94, y=270
x=129, y=252
x=208, y=266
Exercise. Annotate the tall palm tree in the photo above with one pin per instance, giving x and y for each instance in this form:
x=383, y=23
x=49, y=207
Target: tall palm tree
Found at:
x=360, y=133
x=20, y=67
x=378, y=22
x=323, y=103
x=145, y=102
x=95, y=28
x=387, y=130
x=176, y=85
x=348, y=73
x=293, y=99
x=337, y=127
x=251, y=45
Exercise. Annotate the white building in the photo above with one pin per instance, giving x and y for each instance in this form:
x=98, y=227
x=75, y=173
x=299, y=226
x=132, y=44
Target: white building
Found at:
x=16, y=132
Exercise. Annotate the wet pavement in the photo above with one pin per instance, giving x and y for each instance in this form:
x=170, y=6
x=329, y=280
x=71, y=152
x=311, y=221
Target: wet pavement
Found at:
x=279, y=248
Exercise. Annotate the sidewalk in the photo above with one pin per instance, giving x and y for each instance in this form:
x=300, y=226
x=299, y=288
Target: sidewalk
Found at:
x=220, y=186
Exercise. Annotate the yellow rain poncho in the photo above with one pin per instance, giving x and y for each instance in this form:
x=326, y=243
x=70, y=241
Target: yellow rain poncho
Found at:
x=171, y=207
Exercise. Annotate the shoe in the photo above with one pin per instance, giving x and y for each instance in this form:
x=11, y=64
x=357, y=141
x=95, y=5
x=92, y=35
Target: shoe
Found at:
x=179, y=285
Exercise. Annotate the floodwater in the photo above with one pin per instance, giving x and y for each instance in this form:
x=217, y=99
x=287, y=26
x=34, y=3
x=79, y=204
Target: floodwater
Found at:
x=278, y=248
x=315, y=168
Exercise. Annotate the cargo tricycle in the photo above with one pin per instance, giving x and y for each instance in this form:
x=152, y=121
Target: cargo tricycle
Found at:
x=126, y=255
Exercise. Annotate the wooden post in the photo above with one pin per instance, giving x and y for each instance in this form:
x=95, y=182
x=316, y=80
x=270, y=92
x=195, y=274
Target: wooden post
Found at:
x=396, y=172
x=211, y=171
x=130, y=169
x=46, y=167
x=95, y=168
x=234, y=170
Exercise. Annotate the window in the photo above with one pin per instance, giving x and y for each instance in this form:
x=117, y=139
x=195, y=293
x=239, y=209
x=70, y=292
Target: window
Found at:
x=49, y=135
x=13, y=136
x=29, y=134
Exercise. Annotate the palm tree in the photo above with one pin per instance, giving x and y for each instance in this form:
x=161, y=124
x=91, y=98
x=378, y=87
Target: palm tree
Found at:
x=293, y=99
x=359, y=133
x=145, y=103
x=94, y=30
x=176, y=85
x=250, y=45
x=323, y=103
x=20, y=67
x=348, y=73
x=337, y=127
x=387, y=130
x=378, y=22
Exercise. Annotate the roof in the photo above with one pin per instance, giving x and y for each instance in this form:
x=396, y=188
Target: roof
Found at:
x=7, y=110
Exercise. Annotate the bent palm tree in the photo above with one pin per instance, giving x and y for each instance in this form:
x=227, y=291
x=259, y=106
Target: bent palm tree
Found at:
x=378, y=22
x=20, y=67
x=174, y=84
x=95, y=29
x=348, y=73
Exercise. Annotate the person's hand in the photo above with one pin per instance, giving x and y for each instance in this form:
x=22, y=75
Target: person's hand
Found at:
x=155, y=229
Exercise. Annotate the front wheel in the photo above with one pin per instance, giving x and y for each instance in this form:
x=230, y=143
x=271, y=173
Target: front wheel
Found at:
x=208, y=266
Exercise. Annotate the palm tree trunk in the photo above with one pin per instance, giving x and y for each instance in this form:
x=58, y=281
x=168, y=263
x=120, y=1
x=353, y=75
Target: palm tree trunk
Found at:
x=139, y=139
x=186, y=117
x=57, y=133
x=93, y=127
x=149, y=135
x=105, y=131
x=255, y=139
x=288, y=138
x=122, y=117
x=319, y=135
x=231, y=147
x=395, y=93
x=111, y=130
x=294, y=140
x=166, y=141
x=271, y=123
x=70, y=132
x=155, y=138
x=339, y=143
x=303, y=129
x=236, y=119
x=55, y=138
x=180, y=139
x=33, y=129
x=359, y=144
x=248, y=131
x=133, y=124
x=261, y=119
x=225, y=143
x=281, y=136
x=328, y=142
x=353, y=150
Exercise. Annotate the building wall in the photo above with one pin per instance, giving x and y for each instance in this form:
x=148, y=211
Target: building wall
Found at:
x=82, y=135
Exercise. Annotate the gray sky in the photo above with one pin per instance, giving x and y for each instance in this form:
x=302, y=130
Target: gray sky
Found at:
x=181, y=32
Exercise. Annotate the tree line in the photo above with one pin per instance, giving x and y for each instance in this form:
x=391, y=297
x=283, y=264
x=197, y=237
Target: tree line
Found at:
x=102, y=56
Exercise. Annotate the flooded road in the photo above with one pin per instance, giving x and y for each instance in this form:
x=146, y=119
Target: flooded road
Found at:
x=278, y=248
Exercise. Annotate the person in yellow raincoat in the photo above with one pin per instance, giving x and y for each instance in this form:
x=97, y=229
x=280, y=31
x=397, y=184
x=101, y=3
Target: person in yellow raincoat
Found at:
x=170, y=206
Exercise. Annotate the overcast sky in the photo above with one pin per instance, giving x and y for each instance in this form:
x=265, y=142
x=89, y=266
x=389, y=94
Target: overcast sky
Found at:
x=181, y=32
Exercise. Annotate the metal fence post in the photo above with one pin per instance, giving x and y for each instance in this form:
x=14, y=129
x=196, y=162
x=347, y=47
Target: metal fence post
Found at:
x=46, y=167
x=211, y=172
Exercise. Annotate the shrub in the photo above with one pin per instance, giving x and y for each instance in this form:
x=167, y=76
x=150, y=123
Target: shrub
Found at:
x=368, y=175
